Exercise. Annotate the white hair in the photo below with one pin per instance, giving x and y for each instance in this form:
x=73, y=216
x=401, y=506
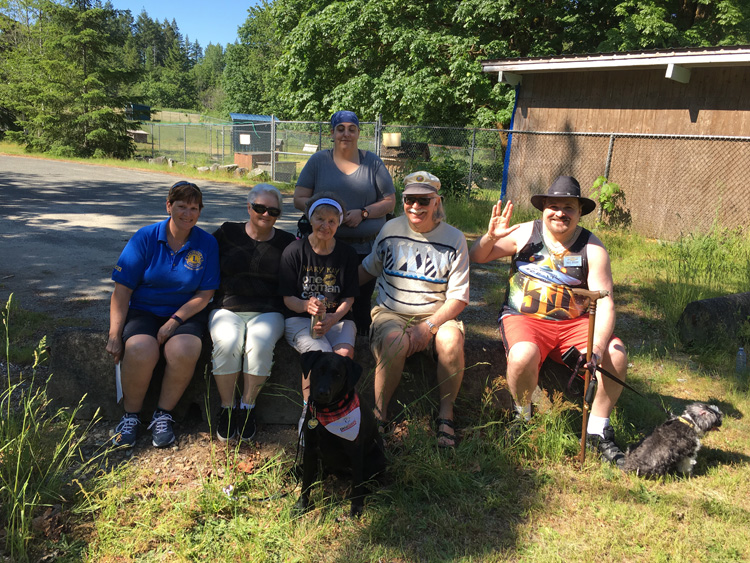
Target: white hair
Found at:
x=265, y=189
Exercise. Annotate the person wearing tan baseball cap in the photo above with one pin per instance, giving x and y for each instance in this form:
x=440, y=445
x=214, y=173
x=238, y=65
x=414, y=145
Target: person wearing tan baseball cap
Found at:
x=422, y=268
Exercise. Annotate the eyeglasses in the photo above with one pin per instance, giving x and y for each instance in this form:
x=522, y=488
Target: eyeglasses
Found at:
x=423, y=201
x=261, y=209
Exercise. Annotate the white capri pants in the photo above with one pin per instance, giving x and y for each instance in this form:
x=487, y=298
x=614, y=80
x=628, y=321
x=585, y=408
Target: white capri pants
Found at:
x=244, y=341
x=298, y=335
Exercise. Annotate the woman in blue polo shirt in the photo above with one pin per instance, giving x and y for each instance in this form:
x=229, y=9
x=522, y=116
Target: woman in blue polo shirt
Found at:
x=165, y=277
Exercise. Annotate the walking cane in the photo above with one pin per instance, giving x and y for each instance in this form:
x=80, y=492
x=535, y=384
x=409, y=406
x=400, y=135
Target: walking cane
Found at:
x=593, y=297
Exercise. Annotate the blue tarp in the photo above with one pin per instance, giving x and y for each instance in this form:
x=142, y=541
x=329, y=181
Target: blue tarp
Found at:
x=249, y=117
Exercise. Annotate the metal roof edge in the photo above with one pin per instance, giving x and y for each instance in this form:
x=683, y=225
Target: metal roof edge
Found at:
x=689, y=58
x=249, y=117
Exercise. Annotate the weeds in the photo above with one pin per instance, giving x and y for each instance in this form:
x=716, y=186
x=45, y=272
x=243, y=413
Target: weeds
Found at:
x=20, y=347
x=699, y=266
x=38, y=449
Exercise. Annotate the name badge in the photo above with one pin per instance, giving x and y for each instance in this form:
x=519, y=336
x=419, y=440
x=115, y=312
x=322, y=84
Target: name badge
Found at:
x=573, y=261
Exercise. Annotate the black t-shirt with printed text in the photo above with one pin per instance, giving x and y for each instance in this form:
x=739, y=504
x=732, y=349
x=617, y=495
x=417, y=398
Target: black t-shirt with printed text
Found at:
x=304, y=274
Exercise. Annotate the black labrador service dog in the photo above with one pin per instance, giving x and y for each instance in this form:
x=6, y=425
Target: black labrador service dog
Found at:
x=674, y=445
x=339, y=430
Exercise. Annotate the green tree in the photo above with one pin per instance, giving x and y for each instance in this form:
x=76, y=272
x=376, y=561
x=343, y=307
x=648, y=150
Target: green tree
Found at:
x=659, y=24
x=412, y=62
x=248, y=79
x=207, y=74
x=418, y=62
x=172, y=85
x=60, y=78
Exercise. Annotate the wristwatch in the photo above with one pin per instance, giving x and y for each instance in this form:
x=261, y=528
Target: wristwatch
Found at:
x=433, y=328
x=365, y=213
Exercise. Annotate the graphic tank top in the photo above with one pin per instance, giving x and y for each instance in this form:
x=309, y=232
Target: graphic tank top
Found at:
x=540, y=281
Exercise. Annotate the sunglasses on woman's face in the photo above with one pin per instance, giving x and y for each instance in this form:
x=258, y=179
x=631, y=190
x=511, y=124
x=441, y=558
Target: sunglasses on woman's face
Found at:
x=423, y=201
x=261, y=209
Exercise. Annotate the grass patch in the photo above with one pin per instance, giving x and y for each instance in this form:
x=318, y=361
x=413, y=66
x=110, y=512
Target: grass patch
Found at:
x=180, y=172
x=38, y=455
x=29, y=328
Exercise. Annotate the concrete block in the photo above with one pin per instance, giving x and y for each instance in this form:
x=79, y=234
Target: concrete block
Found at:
x=80, y=365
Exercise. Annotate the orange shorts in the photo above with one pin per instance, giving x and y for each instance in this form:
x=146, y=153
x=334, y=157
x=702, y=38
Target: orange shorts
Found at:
x=553, y=338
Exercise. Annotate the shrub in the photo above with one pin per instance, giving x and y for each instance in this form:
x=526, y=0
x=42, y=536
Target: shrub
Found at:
x=611, y=200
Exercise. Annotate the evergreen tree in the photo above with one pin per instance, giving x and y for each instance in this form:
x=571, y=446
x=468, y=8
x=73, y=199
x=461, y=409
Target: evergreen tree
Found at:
x=60, y=77
x=207, y=74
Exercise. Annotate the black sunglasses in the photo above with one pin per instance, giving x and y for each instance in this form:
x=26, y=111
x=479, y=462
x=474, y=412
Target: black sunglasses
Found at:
x=261, y=209
x=423, y=201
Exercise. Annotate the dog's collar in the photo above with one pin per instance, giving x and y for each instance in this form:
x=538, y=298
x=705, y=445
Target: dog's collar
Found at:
x=337, y=406
x=684, y=420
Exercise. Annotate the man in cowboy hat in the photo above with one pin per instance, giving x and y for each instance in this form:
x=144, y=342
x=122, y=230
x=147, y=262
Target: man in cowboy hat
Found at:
x=422, y=268
x=541, y=317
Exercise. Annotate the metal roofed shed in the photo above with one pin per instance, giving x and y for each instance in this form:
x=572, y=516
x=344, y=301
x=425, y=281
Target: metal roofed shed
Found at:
x=251, y=133
x=672, y=127
x=252, y=138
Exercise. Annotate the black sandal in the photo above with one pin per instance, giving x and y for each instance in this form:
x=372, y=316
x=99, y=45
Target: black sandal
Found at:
x=383, y=427
x=443, y=434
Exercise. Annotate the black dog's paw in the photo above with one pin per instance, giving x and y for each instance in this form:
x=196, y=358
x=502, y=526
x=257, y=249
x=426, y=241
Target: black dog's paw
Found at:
x=357, y=509
x=302, y=505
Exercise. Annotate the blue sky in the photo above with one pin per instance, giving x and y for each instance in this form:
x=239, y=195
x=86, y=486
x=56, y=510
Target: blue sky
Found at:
x=215, y=21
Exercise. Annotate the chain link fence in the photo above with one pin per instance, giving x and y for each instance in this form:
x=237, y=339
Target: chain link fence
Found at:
x=466, y=160
x=194, y=143
x=672, y=185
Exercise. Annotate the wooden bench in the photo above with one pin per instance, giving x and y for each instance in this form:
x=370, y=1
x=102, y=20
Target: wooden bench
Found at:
x=309, y=147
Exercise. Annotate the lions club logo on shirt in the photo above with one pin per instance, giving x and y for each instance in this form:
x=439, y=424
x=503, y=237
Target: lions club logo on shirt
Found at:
x=194, y=260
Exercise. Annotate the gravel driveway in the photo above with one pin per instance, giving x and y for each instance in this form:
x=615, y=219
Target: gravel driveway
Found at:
x=64, y=224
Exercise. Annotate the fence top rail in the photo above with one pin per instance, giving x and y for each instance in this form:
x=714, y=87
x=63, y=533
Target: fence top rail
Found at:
x=508, y=131
x=326, y=123
x=203, y=125
x=433, y=127
x=632, y=135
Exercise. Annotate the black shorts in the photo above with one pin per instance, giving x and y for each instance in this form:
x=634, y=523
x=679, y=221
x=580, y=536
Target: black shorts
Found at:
x=143, y=322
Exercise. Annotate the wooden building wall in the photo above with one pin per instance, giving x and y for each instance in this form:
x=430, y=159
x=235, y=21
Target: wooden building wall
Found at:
x=673, y=186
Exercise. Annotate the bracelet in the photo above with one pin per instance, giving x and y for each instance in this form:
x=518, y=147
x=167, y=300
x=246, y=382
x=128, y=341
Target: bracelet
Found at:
x=178, y=319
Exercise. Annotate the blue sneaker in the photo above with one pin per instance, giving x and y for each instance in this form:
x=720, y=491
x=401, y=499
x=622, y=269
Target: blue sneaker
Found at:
x=162, y=434
x=127, y=431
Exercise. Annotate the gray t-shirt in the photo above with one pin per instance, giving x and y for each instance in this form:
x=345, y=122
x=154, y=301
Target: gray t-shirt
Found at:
x=366, y=185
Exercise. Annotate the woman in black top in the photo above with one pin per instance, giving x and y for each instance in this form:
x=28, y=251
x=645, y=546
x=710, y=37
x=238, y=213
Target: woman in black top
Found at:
x=248, y=318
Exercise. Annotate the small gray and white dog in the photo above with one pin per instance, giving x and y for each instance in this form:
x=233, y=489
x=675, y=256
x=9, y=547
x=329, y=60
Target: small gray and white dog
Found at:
x=674, y=445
